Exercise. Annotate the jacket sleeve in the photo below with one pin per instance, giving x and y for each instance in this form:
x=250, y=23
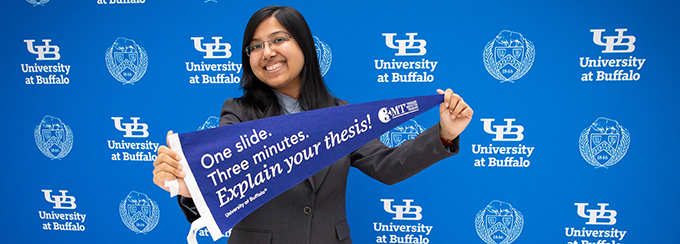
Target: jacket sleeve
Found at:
x=232, y=113
x=392, y=165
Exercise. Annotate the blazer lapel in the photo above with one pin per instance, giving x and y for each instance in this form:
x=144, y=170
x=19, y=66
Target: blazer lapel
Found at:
x=317, y=179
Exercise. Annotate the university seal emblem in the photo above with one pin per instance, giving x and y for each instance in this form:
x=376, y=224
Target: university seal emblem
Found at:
x=126, y=61
x=53, y=137
x=138, y=212
x=401, y=133
x=499, y=223
x=604, y=143
x=509, y=56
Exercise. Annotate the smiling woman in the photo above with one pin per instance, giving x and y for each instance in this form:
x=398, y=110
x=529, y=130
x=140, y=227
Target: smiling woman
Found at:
x=281, y=75
x=277, y=65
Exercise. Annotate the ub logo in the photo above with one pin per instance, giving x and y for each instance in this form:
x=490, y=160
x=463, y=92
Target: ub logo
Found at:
x=594, y=215
x=44, y=49
x=39, y=2
x=613, y=41
x=502, y=130
x=130, y=128
x=509, y=56
x=406, y=131
x=126, y=60
x=324, y=54
x=499, y=223
x=53, y=137
x=604, y=143
x=401, y=210
x=211, y=122
x=57, y=200
x=403, y=45
x=138, y=212
x=210, y=48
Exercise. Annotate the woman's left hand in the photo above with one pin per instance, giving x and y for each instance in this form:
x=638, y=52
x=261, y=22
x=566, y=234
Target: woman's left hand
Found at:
x=454, y=115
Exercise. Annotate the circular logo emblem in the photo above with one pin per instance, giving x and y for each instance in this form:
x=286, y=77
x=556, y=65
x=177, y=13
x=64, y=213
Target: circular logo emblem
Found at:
x=384, y=115
x=53, y=137
x=604, y=143
x=406, y=131
x=126, y=60
x=138, y=212
x=324, y=54
x=509, y=56
x=499, y=223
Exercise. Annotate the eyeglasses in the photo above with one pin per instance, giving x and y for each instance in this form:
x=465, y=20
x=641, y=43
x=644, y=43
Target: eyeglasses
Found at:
x=276, y=41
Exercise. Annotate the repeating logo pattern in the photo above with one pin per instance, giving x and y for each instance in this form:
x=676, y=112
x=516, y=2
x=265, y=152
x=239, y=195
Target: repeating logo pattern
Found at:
x=69, y=220
x=41, y=51
x=605, y=218
x=131, y=128
x=404, y=229
x=406, y=131
x=401, y=210
x=404, y=45
x=509, y=56
x=614, y=41
x=139, y=213
x=134, y=149
x=53, y=137
x=499, y=223
x=59, y=200
x=594, y=215
x=604, y=143
x=406, y=48
x=506, y=154
x=126, y=60
x=502, y=130
x=614, y=68
x=324, y=54
x=224, y=72
x=211, y=48
x=45, y=73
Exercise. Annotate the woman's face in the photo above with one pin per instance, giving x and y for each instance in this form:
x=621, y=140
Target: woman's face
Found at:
x=277, y=65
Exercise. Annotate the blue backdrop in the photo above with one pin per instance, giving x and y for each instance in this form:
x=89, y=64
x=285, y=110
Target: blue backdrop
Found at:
x=571, y=141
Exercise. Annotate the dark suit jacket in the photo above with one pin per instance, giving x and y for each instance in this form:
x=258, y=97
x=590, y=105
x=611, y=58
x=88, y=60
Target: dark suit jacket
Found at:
x=314, y=210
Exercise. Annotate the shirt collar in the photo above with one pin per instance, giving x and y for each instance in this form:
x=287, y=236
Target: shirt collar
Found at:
x=290, y=105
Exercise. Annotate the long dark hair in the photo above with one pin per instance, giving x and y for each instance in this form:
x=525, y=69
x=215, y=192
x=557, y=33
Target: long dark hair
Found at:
x=259, y=96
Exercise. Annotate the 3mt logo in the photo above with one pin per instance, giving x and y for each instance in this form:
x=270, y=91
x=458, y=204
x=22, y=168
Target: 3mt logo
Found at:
x=412, y=212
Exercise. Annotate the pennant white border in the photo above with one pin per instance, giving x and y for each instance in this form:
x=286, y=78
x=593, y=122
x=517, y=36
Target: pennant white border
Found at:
x=206, y=218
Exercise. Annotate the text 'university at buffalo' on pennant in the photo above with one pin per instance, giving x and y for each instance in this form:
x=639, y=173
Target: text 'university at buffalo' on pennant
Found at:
x=234, y=169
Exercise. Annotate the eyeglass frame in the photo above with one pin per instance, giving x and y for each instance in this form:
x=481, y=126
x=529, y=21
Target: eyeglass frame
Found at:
x=286, y=37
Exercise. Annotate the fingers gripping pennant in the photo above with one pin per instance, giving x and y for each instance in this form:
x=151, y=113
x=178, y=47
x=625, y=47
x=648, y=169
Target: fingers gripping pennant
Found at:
x=232, y=170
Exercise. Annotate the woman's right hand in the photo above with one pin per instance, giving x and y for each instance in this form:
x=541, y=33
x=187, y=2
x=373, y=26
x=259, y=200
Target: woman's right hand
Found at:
x=167, y=168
